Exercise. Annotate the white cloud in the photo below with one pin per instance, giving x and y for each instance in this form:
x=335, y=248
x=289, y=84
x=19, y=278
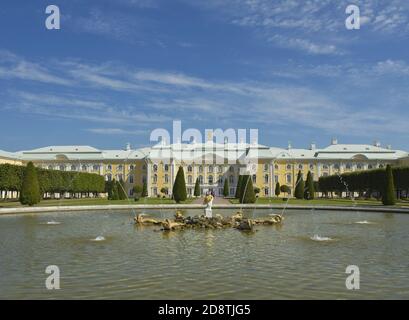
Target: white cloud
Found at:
x=304, y=45
x=116, y=131
x=15, y=67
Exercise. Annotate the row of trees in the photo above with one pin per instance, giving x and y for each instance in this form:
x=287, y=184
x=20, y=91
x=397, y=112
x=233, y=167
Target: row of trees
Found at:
x=245, y=191
x=388, y=183
x=304, y=190
x=21, y=179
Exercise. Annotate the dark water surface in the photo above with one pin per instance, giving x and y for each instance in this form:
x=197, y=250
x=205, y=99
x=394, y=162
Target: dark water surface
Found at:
x=304, y=258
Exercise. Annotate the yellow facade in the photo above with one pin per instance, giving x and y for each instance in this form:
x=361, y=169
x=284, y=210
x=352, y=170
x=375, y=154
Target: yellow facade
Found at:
x=149, y=165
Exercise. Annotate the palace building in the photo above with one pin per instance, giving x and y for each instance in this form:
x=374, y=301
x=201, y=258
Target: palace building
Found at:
x=211, y=163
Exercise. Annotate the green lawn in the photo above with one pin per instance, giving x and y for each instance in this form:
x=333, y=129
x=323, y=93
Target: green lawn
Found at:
x=320, y=201
x=91, y=202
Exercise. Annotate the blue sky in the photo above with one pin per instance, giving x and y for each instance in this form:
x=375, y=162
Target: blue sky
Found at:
x=116, y=70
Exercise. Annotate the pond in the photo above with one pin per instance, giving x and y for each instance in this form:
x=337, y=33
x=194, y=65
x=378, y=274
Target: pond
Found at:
x=102, y=254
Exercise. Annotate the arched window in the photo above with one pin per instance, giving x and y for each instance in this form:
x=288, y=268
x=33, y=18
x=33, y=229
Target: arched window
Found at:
x=189, y=169
x=73, y=168
x=370, y=166
x=254, y=178
x=108, y=177
x=359, y=166
x=381, y=166
x=210, y=179
x=266, y=167
x=300, y=166
x=311, y=167
x=50, y=167
x=231, y=169
x=109, y=167
x=325, y=167
x=131, y=179
x=201, y=179
x=288, y=166
x=155, y=178
x=62, y=167
x=95, y=167
x=166, y=167
x=120, y=177
x=276, y=166
x=348, y=166
x=289, y=178
x=266, y=178
x=189, y=179
x=166, y=178
x=231, y=179
x=210, y=168
x=155, y=168
x=220, y=179
x=131, y=167
x=220, y=169
x=200, y=169
x=336, y=166
x=84, y=168
x=120, y=167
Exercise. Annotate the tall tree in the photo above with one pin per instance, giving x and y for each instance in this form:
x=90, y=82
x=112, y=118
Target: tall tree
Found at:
x=299, y=188
x=226, y=187
x=197, y=188
x=30, y=188
x=179, y=187
x=277, y=190
x=309, y=192
x=388, y=194
x=247, y=190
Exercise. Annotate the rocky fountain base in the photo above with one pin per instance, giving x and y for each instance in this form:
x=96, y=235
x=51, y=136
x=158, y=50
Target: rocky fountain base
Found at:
x=236, y=221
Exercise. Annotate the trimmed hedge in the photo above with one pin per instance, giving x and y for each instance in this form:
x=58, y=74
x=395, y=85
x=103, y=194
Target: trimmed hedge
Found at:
x=365, y=182
x=30, y=188
x=52, y=181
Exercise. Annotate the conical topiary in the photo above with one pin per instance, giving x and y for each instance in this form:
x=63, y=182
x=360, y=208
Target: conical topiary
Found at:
x=247, y=190
x=299, y=188
x=238, y=187
x=226, y=187
x=179, y=187
x=144, y=190
x=309, y=192
x=197, y=188
x=277, y=190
